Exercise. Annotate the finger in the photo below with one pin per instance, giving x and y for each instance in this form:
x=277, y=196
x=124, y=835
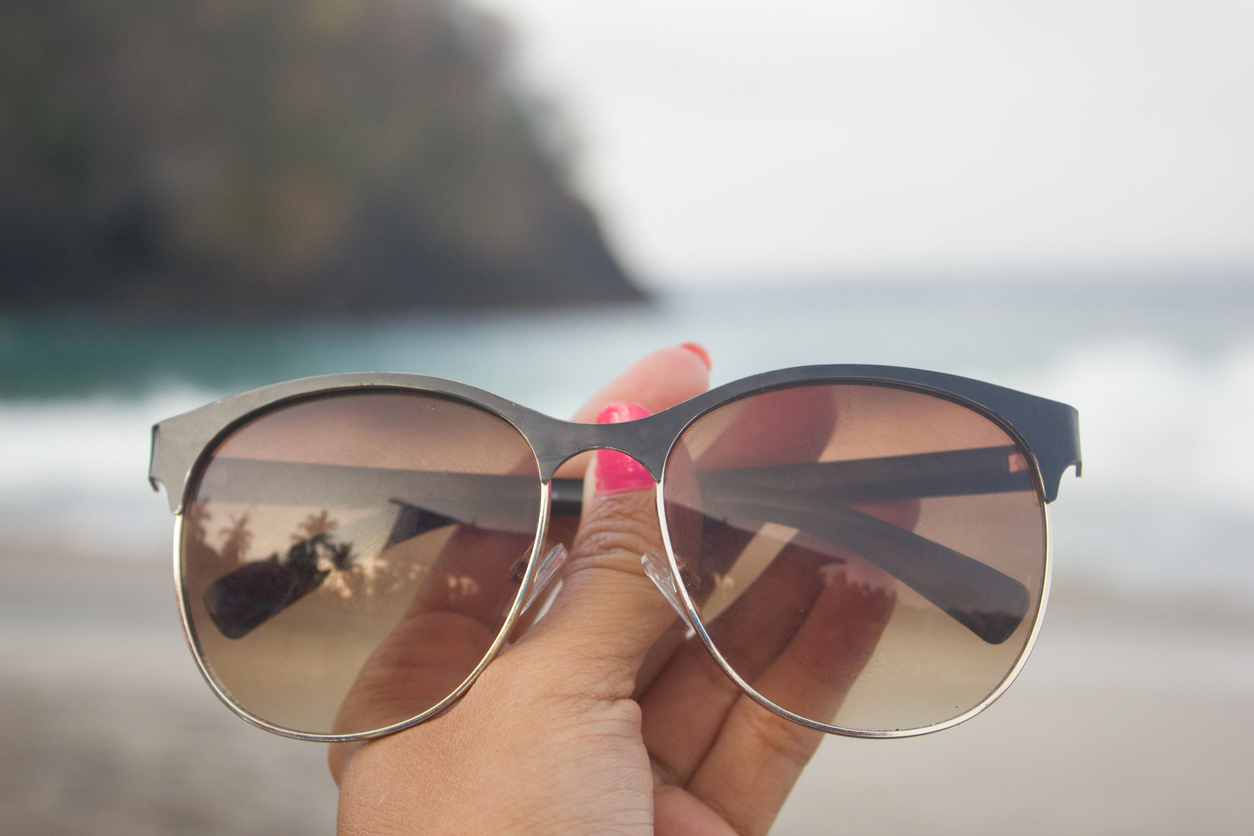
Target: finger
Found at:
x=618, y=526
x=688, y=704
x=447, y=630
x=656, y=382
x=608, y=613
x=820, y=665
x=790, y=605
x=685, y=707
x=748, y=775
x=759, y=755
x=677, y=811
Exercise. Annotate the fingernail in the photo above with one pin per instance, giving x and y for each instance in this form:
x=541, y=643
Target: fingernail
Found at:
x=700, y=352
x=618, y=472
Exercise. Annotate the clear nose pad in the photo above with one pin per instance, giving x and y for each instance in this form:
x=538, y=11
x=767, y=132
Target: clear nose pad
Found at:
x=549, y=565
x=657, y=570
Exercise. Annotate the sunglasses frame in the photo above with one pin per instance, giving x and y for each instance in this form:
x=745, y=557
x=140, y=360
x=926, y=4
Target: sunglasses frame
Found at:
x=1048, y=431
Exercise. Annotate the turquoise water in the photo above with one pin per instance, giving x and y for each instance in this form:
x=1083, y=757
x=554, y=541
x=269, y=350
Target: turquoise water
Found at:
x=994, y=329
x=1162, y=372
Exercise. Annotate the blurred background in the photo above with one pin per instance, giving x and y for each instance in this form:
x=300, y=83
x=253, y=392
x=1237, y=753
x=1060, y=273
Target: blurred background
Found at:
x=526, y=195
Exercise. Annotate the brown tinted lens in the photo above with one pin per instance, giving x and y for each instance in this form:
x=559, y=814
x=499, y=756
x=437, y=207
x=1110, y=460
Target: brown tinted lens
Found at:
x=863, y=556
x=347, y=561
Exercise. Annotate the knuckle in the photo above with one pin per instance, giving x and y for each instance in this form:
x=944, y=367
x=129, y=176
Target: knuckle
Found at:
x=782, y=739
x=617, y=525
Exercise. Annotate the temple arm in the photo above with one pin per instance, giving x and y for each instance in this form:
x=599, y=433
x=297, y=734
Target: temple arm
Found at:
x=810, y=497
x=981, y=470
x=986, y=601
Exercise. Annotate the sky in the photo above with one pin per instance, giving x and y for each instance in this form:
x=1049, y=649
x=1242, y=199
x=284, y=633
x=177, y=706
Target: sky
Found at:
x=805, y=140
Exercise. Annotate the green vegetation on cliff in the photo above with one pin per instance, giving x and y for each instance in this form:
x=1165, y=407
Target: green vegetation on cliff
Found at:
x=279, y=156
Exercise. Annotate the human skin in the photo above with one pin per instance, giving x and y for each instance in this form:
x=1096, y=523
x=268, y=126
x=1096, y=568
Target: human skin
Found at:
x=599, y=718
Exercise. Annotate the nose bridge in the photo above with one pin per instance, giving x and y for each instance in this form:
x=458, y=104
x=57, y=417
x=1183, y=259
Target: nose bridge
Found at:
x=644, y=440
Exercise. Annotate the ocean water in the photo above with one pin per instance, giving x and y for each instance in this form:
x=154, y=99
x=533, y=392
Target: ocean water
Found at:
x=1161, y=370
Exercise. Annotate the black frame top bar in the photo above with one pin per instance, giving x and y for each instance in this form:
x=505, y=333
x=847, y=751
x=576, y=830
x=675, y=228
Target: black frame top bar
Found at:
x=1049, y=430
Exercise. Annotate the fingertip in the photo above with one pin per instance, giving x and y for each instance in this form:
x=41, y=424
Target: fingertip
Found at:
x=700, y=351
x=657, y=381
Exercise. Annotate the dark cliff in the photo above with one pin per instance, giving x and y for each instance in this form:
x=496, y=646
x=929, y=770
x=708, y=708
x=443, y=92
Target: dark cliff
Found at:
x=279, y=157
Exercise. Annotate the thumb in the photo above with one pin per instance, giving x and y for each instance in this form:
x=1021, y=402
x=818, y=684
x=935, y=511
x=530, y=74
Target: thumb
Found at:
x=608, y=612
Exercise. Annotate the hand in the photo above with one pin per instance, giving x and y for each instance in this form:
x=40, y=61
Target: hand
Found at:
x=601, y=717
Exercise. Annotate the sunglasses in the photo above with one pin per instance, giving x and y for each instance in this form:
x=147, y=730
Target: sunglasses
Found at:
x=862, y=549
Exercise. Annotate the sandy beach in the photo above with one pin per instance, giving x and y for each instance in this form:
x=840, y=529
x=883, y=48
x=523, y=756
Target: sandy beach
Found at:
x=1131, y=717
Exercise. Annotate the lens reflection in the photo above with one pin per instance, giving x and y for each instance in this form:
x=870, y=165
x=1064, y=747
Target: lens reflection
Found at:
x=349, y=560
x=864, y=556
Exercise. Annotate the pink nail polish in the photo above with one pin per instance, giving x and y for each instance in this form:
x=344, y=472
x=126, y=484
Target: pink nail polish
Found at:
x=617, y=472
x=699, y=351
